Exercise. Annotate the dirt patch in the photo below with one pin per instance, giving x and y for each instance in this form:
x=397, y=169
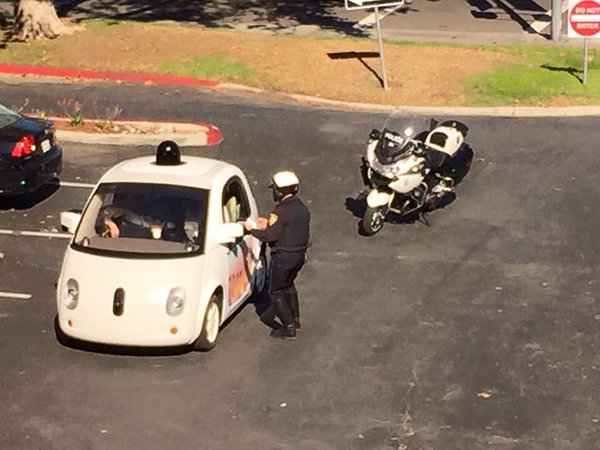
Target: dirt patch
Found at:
x=342, y=69
x=99, y=127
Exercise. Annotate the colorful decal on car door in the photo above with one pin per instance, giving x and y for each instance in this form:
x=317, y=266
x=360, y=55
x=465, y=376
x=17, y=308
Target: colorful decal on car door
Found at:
x=240, y=272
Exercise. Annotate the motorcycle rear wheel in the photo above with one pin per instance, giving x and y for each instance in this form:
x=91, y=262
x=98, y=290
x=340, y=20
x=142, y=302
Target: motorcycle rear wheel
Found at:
x=372, y=221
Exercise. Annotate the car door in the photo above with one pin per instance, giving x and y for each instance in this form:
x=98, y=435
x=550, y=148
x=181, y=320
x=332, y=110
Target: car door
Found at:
x=241, y=257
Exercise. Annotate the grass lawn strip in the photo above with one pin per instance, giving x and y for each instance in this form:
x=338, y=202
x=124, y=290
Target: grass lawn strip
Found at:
x=419, y=74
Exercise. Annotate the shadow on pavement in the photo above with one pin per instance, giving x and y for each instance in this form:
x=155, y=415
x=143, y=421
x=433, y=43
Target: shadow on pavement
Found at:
x=273, y=16
x=28, y=201
x=518, y=11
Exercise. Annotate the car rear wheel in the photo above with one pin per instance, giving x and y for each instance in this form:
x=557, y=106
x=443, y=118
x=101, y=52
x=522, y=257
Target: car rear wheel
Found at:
x=210, y=326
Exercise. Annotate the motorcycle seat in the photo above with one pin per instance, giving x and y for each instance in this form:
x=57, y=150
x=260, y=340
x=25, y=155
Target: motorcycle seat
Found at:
x=434, y=159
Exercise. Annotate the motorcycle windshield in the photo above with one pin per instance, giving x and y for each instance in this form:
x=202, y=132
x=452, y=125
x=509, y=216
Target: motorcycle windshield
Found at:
x=392, y=147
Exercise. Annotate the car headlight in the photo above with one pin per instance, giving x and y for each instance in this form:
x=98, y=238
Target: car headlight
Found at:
x=175, y=302
x=72, y=294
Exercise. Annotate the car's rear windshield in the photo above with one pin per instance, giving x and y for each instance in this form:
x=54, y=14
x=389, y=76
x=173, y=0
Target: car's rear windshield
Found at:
x=143, y=219
x=7, y=116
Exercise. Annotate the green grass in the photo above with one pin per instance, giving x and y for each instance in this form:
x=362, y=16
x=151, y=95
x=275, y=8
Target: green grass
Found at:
x=539, y=74
x=24, y=53
x=216, y=66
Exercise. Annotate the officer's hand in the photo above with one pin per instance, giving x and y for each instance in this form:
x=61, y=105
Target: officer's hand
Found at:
x=262, y=223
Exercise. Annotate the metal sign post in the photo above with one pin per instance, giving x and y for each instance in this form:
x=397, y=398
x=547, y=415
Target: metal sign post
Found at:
x=585, y=60
x=381, y=55
x=556, y=19
x=352, y=5
x=584, y=22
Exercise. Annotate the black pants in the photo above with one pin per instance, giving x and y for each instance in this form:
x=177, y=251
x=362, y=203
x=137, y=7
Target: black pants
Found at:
x=283, y=270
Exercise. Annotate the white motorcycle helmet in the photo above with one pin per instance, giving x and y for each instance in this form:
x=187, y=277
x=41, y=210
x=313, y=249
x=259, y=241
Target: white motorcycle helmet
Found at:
x=283, y=183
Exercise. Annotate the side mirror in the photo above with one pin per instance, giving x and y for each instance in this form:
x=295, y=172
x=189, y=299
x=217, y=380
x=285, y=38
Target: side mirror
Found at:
x=228, y=232
x=374, y=134
x=69, y=220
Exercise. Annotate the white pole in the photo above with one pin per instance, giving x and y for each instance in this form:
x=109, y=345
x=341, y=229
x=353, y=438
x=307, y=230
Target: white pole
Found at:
x=585, y=60
x=381, y=55
x=556, y=19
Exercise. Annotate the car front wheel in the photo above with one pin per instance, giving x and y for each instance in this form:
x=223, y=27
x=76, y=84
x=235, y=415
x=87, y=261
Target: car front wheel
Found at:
x=210, y=327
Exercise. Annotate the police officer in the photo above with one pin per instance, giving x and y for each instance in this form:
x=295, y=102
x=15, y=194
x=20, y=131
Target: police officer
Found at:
x=287, y=230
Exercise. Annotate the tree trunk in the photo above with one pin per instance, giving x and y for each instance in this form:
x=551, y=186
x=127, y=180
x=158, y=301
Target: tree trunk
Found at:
x=36, y=19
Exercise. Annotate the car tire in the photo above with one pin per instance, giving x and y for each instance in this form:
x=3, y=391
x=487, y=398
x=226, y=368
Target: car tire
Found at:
x=61, y=337
x=210, y=326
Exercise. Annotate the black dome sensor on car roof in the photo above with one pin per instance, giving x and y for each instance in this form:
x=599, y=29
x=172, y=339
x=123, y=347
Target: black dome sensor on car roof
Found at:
x=168, y=154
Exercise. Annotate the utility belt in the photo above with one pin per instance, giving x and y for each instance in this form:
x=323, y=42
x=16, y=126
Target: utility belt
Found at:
x=289, y=249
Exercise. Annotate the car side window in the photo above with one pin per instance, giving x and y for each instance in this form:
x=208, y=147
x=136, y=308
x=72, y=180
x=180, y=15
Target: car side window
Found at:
x=235, y=201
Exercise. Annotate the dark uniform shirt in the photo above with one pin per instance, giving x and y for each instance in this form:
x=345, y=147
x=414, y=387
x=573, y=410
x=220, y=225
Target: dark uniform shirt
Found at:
x=289, y=227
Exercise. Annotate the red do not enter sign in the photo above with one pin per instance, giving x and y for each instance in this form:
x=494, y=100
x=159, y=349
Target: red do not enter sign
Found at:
x=584, y=18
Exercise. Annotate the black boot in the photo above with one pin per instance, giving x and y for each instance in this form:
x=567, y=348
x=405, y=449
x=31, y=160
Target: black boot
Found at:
x=284, y=333
x=268, y=318
x=288, y=330
x=291, y=297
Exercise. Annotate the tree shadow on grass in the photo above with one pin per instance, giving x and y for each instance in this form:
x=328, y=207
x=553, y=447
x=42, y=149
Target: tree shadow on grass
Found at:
x=360, y=56
x=577, y=73
x=7, y=23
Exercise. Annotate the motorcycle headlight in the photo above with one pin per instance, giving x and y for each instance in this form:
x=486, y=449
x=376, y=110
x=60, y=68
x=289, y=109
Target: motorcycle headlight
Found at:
x=175, y=302
x=72, y=297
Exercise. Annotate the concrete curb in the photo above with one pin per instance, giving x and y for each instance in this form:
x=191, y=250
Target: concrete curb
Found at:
x=60, y=75
x=150, y=133
x=494, y=111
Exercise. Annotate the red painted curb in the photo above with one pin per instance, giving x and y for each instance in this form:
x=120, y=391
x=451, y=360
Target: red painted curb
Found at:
x=214, y=135
x=131, y=77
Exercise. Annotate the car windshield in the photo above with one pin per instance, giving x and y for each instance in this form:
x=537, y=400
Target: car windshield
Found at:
x=144, y=219
x=7, y=116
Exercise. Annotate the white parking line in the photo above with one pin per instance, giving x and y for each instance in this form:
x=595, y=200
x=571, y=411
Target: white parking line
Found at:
x=15, y=295
x=370, y=19
x=546, y=19
x=48, y=234
x=77, y=185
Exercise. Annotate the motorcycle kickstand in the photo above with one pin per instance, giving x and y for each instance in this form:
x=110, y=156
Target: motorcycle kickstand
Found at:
x=423, y=218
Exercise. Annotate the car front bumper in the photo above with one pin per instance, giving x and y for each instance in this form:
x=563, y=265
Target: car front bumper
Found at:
x=171, y=332
x=32, y=174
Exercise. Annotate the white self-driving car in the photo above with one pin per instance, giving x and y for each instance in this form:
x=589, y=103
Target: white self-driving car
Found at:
x=158, y=256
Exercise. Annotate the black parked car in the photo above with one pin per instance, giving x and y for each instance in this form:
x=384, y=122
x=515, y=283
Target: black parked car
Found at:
x=29, y=154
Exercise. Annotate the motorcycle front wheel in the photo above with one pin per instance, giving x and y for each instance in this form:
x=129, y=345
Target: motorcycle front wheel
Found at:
x=372, y=221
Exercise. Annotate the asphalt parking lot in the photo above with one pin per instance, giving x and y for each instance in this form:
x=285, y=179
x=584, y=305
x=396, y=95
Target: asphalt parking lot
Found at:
x=477, y=332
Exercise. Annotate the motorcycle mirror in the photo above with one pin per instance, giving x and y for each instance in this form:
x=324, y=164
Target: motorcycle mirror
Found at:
x=408, y=132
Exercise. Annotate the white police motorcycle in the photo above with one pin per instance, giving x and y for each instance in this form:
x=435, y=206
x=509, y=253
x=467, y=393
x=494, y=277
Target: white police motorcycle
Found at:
x=409, y=175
